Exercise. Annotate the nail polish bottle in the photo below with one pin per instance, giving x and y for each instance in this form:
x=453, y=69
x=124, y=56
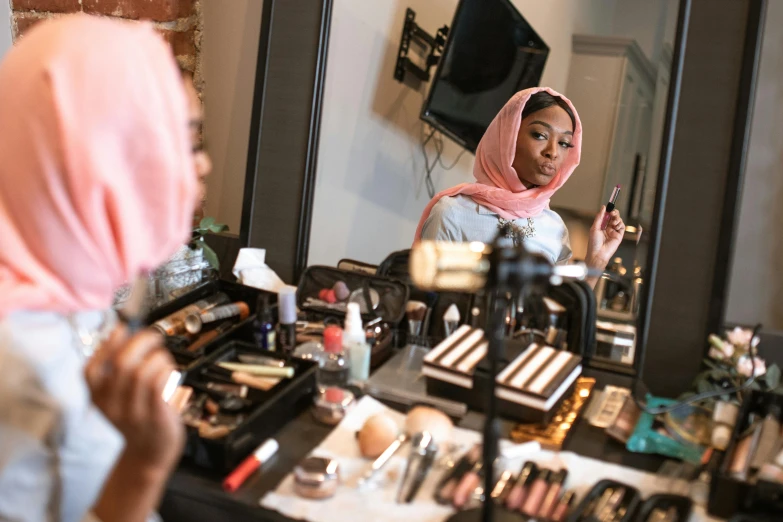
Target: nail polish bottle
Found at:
x=563, y=507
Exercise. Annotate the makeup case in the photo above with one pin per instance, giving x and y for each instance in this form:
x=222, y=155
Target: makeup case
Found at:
x=395, y=266
x=730, y=495
x=630, y=501
x=389, y=294
x=532, y=381
x=241, y=330
x=269, y=412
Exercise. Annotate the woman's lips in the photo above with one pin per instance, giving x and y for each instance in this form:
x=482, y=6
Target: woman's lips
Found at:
x=547, y=168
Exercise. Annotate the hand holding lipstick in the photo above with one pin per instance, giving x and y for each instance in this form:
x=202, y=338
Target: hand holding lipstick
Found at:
x=606, y=234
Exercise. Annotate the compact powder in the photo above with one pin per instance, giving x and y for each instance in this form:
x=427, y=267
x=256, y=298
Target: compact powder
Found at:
x=316, y=478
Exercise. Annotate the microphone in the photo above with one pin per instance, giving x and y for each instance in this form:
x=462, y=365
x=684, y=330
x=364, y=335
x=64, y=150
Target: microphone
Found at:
x=466, y=267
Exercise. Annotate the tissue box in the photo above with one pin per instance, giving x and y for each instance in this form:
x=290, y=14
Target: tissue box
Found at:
x=532, y=382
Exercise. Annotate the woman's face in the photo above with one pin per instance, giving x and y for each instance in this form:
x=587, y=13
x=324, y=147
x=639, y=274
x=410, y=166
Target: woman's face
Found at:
x=200, y=157
x=543, y=143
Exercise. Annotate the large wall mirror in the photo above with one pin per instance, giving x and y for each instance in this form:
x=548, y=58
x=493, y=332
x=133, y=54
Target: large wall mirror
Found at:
x=340, y=164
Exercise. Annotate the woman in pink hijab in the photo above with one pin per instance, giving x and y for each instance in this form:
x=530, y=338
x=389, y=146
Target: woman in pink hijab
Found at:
x=528, y=152
x=99, y=178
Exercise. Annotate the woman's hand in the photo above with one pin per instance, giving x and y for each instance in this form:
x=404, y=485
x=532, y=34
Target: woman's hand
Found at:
x=603, y=244
x=126, y=377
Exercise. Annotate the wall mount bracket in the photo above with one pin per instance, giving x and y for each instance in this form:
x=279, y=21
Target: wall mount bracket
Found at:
x=412, y=32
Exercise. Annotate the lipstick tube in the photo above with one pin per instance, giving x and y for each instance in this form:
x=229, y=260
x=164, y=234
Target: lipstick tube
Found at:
x=610, y=206
x=248, y=466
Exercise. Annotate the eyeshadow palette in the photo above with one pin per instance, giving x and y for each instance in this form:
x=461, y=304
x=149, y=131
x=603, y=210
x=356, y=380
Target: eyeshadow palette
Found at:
x=532, y=381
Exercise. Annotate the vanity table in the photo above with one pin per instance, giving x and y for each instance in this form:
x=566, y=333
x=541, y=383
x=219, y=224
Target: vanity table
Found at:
x=194, y=495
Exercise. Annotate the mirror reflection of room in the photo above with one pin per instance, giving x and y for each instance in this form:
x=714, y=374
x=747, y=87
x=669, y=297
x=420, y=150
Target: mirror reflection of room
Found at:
x=389, y=147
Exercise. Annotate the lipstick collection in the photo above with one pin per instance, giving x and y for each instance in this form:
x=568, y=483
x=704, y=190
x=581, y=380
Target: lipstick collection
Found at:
x=534, y=492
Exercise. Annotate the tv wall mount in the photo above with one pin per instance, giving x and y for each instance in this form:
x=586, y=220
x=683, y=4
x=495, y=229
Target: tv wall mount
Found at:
x=412, y=32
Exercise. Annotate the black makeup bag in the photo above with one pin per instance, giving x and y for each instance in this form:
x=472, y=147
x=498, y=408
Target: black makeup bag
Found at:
x=390, y=295
x=630, y=501
x=269, y=411
x=396, y=266
x=729, y=495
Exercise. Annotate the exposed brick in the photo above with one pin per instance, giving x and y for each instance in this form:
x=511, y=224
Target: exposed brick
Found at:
x=24, y=22
x=157, y=10
x=182, y=42
x=52, y=6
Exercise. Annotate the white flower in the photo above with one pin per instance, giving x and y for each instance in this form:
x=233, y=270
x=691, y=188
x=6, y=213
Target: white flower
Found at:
x=745, y=366
x=728, y=349
x=716, y=353
x=739, y=337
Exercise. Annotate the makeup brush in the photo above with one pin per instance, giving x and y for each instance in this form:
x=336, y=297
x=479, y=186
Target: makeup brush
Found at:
x=451, y=320
x=221, y=374
x=415, y=310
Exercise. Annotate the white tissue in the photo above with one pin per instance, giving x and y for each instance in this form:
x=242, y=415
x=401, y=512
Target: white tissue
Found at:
x=250, y=269
x=452, y=313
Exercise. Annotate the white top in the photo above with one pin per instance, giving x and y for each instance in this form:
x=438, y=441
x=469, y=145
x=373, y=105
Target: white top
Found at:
x=460, y=219
x=56, y=448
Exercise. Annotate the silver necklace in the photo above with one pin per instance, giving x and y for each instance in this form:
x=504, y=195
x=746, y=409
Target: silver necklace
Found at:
x=517, y=233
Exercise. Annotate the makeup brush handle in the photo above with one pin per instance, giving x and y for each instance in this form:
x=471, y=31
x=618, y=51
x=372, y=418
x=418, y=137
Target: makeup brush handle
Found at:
x=259, y=383
x=259, y=370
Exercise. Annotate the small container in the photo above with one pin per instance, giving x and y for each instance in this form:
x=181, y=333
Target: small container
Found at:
x=332, y=404
x=724, y=417
x=335, y=369
x=316, y=478
x=264, y=328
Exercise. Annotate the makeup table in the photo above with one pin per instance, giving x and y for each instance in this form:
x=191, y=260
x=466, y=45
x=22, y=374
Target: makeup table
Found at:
x=194, y=495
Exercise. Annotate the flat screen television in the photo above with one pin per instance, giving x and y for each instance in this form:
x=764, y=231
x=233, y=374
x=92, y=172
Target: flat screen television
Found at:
x=491, y=53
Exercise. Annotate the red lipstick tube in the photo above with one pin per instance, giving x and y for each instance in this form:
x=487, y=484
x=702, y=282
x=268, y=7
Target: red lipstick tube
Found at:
x=248, y=466
x=610, y=206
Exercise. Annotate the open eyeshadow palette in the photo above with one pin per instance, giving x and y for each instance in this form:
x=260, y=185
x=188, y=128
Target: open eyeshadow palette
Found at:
x=533, y=379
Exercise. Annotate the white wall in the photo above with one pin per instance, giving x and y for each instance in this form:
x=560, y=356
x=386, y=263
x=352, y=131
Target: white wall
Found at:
x=650, y=22
x=756, y=283
x=369, y=185
x=5, y=26
x=229, y=52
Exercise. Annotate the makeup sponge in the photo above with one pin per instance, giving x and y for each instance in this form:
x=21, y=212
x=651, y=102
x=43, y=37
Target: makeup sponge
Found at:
x=341, y=291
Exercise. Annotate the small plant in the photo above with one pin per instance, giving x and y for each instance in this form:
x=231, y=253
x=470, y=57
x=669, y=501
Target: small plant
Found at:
x=205, y=226
x=730, y=362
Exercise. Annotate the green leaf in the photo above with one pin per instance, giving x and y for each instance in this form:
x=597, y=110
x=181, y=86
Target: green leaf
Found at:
x=773, y=376
x=217, y=228
x=210, y=256
x=206, y=222
x=755, y=385
x=710, y=364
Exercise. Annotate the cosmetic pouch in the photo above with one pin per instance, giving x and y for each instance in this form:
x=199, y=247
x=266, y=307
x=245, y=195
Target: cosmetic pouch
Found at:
x=728, y=494
x=681, y=505
x=630, y=501
x=389, y=294
x=268, y=412
x=395, y=266
x=532, y=380
x=240, y=330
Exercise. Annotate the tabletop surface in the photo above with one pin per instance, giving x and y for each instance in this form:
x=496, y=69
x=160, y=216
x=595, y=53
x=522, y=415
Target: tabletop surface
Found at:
x=194, y=494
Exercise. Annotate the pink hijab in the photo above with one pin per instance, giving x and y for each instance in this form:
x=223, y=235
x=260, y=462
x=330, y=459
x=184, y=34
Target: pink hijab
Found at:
x=497, y=185
x=97, y=180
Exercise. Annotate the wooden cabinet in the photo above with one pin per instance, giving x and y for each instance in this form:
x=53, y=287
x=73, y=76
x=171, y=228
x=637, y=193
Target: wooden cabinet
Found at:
x=612, y=85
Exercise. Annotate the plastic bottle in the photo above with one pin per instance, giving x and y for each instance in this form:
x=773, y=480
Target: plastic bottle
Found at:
x=355, y=344
x=335, y=368
x=263, y=327
x=286, y=311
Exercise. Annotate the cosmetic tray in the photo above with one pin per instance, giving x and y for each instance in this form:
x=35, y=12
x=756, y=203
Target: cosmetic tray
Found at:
x=271, y=409
x=631, y=501
x=729, y=495
x=242, y=330
x=532, y=380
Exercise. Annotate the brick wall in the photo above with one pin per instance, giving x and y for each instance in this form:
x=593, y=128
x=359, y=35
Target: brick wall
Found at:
x=179, y=21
